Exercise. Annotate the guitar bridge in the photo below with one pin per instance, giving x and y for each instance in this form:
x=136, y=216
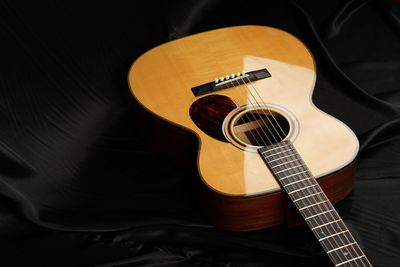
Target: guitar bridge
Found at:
x=230, y=81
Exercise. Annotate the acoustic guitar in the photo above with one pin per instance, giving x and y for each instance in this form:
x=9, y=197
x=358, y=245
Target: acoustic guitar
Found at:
x=264, y=147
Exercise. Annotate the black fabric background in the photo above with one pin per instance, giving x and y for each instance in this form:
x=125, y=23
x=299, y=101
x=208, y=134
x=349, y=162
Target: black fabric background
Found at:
x=81, y=186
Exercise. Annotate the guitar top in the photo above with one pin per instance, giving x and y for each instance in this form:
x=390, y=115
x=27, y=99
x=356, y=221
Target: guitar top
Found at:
x=161, y=80
x=246, y=93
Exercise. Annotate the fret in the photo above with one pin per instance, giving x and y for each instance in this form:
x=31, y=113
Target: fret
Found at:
x=282, y=158
x=327, y=230
x=353, y=259
x=290, y=168
x=319, y=203
x=298, y=181
x=348, y=255
x=321, y=219
x=341, y=247
x=269, y=150
x=310, y=195
x=338, y=241
x=292, y=186
x=313, y=199
x=318, y=214
x=279, y=153
x=312, y=203
x=287, y=162
x=275, y=145
x=302, y=189
x=294, y=174
x=319, y=226
x=333, y=235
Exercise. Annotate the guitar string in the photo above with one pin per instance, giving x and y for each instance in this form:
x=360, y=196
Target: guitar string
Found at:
x=253, y=115
x=258, y=121
x=319, y=196
x=265, y=124
x=307, y=189
x=262, y=120
x=255, y=119
x=337, y=245
x=339, y=255
x=303, y=176
x=344, y=225
x=267, y=108
x=260, y=126
x=308, y=180
x=330, y=216
x=270, y=113
x=236, y=88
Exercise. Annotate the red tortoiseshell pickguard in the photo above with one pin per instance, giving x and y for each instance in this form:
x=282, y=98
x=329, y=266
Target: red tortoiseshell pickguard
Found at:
x=209, y=112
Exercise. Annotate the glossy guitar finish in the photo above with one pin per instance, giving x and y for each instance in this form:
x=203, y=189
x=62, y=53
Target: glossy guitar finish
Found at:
x=161, y=80
x=258, y=130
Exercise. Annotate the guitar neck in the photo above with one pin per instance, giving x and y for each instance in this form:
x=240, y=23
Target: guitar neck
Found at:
x=313, y=205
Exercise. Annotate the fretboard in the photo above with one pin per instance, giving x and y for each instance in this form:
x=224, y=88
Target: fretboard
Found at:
x=312, y=203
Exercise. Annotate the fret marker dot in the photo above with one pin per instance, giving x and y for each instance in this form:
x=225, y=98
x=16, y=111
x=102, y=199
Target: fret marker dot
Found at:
x=345, y=253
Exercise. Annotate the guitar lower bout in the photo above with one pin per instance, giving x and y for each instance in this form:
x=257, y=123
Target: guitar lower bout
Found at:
x=257, y=212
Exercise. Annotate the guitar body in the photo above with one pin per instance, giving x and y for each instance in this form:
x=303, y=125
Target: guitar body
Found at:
x=241, y=192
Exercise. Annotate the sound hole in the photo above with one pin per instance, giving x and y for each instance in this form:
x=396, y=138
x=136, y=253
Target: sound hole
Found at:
x=260, y=127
